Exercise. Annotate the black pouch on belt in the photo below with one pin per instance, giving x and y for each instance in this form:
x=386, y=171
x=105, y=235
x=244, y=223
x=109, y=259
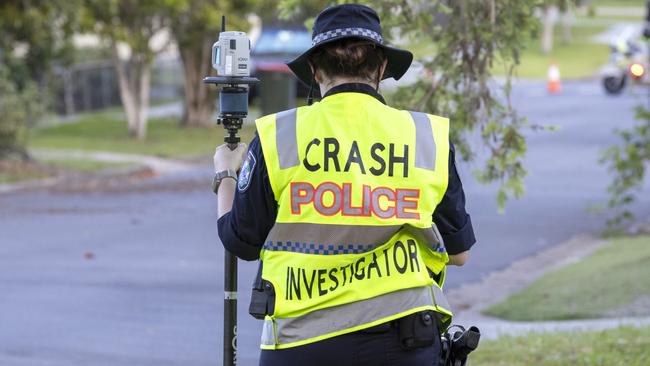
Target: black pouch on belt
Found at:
x=418, y=330
x=262, y=297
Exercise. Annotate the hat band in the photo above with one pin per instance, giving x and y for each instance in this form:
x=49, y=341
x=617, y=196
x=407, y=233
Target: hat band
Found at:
x=337, y=33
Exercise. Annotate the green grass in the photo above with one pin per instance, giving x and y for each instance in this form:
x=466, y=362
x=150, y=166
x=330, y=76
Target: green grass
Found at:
x=619, y=3
x=623, y=346
x=578, y=59
x=614, y=276
x=87, y=166
x=108, y=132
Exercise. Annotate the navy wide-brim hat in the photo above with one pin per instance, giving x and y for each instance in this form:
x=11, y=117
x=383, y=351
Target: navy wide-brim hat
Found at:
x=350, y=21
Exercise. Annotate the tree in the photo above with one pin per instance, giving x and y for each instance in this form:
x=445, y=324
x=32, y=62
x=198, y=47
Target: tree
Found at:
x=195, y=25
x=18, y=109
x=552, y=10
x=628, y=161
x=471, y=37
x=35, y=36
x=133, y=23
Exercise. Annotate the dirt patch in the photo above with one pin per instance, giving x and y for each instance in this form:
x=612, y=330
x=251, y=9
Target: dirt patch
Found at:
x=140, y=180
x=102, y=181
x=12, y=171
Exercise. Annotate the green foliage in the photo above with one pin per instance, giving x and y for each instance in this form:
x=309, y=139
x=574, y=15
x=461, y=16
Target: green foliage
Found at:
x=195, y=25
x=133, y=22
x=42, y=29
x=628, y=161
x=192, y=20
x=624, y=346
x=19, y=108
x=459, y=83
x=469, y=36
x=35, y=36
x=608, y=280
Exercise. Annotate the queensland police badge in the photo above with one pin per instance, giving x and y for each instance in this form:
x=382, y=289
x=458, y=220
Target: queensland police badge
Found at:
x=246, y=173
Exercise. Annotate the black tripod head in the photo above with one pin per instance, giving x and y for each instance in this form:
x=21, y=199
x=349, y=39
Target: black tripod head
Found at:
x=233, y=104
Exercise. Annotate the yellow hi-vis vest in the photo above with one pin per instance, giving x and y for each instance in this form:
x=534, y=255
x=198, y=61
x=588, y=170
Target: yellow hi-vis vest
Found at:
x=353, y=244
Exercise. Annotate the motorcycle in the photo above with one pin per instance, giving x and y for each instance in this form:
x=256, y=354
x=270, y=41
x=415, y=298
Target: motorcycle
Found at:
x=628, y=62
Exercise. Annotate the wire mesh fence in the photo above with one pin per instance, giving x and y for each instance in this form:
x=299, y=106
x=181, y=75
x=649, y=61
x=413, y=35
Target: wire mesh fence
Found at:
x=92, y=86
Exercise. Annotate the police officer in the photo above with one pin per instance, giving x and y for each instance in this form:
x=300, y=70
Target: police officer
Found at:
x=354, y=209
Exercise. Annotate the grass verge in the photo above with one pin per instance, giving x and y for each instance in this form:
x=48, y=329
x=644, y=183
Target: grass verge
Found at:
x=107, y=132
x=578, y=59
x=623, y=346
x=619, y=3
x=612, y=278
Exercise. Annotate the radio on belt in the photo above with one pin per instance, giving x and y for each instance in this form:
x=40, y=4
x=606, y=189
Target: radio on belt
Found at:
x=231, y=54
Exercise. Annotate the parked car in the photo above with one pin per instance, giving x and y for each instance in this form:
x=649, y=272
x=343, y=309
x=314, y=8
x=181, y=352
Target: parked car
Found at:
x=273, y=48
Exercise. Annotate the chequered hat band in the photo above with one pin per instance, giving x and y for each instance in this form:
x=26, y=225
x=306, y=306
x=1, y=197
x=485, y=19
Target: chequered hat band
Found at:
x=336, y=33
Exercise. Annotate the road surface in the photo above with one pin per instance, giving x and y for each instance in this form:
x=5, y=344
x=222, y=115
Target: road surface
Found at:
x=134, y=277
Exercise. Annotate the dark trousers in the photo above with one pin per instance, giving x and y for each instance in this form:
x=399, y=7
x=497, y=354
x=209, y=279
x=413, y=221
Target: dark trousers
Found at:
x=376, y=347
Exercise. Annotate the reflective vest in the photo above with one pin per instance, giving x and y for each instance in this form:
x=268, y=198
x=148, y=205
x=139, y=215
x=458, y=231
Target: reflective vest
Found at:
x=353, y=244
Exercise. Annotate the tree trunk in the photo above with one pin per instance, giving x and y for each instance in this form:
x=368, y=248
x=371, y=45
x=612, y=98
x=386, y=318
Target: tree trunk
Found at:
x=134, y=91
x=199, y=98
x=567, y=20
x=548, y=22
x=143, y=88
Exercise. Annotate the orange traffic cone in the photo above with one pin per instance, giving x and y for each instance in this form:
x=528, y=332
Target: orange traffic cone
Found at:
x=554, y=84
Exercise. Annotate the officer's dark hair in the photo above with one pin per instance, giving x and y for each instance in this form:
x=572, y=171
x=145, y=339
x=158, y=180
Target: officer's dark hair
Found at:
x=348, y=57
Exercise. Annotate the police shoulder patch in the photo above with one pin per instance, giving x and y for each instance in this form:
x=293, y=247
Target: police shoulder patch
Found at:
x=246, y=173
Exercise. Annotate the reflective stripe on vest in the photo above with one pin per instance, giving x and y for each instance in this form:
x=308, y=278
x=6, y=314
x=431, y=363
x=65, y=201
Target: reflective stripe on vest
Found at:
x=342, y=239
x=356, y=183
x=337, y=320
x=285, y=138
x=425, y=144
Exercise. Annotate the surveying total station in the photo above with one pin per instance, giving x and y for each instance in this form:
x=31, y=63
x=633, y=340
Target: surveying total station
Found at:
x=231, y=59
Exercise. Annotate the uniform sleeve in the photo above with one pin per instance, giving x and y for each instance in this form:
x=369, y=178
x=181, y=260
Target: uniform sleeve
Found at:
x=450, y=216
x=244, y=229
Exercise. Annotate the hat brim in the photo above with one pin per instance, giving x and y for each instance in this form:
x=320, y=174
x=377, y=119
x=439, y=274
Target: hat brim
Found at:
x=399, y=61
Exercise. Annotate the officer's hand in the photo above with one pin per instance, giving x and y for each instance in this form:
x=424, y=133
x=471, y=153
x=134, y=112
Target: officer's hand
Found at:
x=224, y=158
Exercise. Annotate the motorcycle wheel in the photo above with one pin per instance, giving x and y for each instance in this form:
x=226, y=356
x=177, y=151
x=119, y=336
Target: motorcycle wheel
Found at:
x=614, y=85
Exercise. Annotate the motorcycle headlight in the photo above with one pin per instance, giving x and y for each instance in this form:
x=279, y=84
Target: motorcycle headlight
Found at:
x=637, y=70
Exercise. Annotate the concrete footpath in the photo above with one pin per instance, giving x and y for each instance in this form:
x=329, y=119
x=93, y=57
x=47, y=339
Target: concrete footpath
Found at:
x=158, y=166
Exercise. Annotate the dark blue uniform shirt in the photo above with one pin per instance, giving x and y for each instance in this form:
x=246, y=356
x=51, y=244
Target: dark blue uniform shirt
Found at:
x=244, y=229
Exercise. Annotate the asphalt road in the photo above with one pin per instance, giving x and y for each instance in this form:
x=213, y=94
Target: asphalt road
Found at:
x=134, y=278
